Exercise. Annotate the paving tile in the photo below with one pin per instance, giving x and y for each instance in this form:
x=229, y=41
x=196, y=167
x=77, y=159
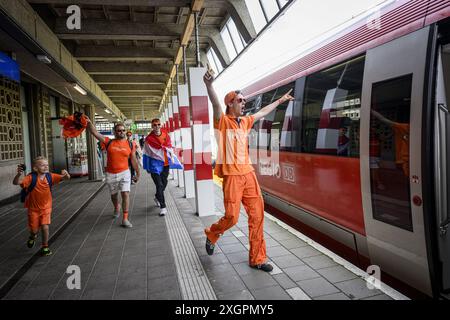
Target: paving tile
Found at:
x=317, y=287
x=226, y=284
x=258, y=280
x=243, y=268
x=379, y=297
x=319, y=262
x=238, y=257
x=297, y=294
x=287, y=261
x=219, y=270
x=162, y=284
x=337, y=274
x=232, y=248
x=334, y=296
x=282, y=235
x=162, y=271
x=239, y=295
x=299, y=273
x=284, y=281
x=277, y=251
x=225, y=241
x=166, y=295
x=305, y=252
x=214, y=259
x=270, y=293
x=357, y=289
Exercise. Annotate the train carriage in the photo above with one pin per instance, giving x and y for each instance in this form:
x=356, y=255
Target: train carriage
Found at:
x=359, y=158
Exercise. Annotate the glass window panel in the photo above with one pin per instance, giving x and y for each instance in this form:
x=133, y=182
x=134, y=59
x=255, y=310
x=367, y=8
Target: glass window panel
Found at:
x=256, y=14
x=235, y=35
x=216, y=59
x=212, y=62
x=228, y=43
x=282, y=3
x=389, y=152
x=331, y=106
x=270, y=8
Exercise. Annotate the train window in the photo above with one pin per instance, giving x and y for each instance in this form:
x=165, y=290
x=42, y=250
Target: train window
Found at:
x=275, y=130
x=389, y=151
x=330, y=113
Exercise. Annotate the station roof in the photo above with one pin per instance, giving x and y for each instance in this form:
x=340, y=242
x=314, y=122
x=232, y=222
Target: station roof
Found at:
x=131, y=48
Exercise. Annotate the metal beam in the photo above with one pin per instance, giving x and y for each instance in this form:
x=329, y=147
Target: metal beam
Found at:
x=126, y=30
x=137, y=3
x=143, y=94
x=131, y=87
x=126, y=68
x=130, y=79
x=123, y=53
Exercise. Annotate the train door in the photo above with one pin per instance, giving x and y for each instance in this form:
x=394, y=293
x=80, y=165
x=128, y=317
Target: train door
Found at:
x=391, y=163
x=442, y=156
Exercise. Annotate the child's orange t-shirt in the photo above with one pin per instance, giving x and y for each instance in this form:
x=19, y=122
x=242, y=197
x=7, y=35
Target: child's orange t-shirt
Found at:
x=40, y=197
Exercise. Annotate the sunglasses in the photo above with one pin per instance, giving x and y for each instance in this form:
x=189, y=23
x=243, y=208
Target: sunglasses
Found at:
x=239, y=100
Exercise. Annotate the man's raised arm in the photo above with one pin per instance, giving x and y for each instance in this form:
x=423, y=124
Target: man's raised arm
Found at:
x=208, y=78
x=269, y=108
x=91, y=128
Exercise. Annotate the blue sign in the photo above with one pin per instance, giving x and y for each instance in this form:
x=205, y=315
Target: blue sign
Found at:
x=9, y=68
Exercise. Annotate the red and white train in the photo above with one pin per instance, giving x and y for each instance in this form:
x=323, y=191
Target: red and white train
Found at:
x=373, y=185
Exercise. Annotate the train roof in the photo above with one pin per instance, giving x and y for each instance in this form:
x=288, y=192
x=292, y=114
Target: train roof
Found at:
x=394, y=20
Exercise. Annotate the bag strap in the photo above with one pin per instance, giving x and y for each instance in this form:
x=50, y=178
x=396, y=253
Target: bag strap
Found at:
x=33, y=182
x=109, y=142
x=48, y=176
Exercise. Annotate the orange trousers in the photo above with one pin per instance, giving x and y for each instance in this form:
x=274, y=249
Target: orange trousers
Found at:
x=243, y=188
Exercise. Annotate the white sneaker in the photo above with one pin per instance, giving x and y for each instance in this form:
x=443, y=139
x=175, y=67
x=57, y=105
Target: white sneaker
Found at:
x=156, y=202
x=163, y=212
x=126, y=224
x=116, y=214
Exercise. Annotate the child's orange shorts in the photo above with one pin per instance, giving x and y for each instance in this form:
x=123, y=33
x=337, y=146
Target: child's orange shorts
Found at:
x=37, y=218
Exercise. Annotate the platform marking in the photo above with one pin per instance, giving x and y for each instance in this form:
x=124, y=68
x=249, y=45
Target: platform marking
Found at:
x=192, y=278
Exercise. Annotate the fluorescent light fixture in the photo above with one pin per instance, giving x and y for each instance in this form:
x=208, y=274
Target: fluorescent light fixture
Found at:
x=79, y=89
x=107, y=111
x=43, y=58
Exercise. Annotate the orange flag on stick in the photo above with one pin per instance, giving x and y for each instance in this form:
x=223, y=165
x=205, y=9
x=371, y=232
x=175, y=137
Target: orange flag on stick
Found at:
x=73, y=125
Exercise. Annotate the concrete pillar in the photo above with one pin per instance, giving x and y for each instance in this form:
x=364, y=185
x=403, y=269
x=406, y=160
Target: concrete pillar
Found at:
x=179, y=181
x=186, y=141
x=94, y=172
x=202, y=142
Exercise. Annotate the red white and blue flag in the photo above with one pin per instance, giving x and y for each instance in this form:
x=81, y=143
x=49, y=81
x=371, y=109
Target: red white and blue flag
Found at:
x=153, y=155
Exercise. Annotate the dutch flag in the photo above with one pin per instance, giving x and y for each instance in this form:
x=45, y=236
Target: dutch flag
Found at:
x=153, y=157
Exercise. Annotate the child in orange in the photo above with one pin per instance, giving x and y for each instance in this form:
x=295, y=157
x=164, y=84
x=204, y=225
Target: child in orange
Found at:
x=39, y=200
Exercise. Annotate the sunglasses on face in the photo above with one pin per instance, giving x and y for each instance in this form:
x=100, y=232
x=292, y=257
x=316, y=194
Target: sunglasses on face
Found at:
x=239, y=100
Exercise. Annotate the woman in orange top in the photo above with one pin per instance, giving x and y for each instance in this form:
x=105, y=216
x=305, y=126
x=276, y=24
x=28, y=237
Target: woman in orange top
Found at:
x=39, y=199
x=239, y=179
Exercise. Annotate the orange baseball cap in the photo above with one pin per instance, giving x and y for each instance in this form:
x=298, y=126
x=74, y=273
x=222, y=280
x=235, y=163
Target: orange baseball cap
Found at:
x=229, y=97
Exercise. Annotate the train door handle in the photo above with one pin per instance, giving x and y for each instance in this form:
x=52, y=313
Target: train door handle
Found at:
x=443, y=227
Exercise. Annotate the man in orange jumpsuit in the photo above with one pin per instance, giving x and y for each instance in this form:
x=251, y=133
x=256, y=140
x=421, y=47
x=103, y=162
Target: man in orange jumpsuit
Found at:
x=401, y=136
x=239, y=179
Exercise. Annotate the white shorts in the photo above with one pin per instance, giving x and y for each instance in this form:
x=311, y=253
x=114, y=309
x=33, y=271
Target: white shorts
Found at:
x=374, y=162
x=119, y=181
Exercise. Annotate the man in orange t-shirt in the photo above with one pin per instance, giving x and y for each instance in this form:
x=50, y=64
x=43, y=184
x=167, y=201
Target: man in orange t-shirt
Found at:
x=239, y=179
x=118, y=176
x=39, y=199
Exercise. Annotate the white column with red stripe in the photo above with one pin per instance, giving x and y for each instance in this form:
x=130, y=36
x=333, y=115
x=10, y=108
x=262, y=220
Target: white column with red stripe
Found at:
x=172, y=138
x=186, y=141
x=179, y=180
x=202, y=142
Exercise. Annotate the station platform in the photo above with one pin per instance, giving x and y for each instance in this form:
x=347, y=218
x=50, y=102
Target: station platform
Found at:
x=164, y=258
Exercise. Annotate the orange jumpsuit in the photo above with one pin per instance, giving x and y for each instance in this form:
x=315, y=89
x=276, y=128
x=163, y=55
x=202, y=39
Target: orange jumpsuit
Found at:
x=239, y=184
x=401, y=134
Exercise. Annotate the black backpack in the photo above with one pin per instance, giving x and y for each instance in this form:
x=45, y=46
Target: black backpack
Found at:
x=26, y=191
